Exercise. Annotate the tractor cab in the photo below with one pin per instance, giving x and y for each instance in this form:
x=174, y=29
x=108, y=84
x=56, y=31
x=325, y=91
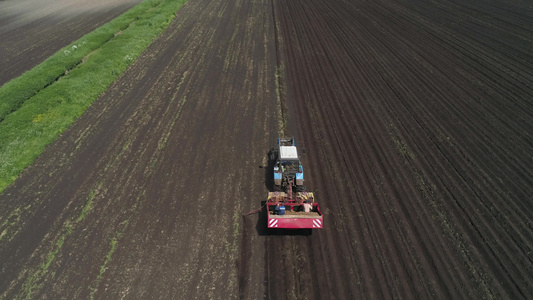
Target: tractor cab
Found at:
x=288, y=166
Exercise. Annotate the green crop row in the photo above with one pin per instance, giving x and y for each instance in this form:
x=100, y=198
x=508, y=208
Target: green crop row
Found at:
x=43, y=102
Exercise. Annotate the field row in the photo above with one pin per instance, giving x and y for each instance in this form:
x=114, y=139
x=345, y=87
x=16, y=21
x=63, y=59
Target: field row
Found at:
x=414, y=120
x=416, y=127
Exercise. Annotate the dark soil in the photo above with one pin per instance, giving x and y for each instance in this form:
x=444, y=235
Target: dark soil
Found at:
x=415, y=120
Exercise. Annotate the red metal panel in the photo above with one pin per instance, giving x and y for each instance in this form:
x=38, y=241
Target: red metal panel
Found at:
x=285, y=221
x=294, y=223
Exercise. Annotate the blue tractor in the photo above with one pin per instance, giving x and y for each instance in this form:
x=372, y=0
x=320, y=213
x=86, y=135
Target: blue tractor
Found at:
x=288, y=170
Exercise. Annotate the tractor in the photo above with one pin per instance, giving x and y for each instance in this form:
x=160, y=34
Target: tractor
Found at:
x=290, y=205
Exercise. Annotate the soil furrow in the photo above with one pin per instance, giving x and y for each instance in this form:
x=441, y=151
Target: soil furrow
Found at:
x=414, y=117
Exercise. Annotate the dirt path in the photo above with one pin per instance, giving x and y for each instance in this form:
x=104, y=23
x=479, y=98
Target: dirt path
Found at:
x=415, y=121
x=33, y=30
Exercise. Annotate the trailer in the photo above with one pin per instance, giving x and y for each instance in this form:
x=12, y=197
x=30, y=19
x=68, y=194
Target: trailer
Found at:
x=300, y=212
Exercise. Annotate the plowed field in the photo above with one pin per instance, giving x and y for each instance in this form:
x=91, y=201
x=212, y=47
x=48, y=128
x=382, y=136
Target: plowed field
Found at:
x=33, y=30
x=415, y=120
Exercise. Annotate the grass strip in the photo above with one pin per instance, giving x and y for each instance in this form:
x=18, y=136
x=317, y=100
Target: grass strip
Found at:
x=42, y=103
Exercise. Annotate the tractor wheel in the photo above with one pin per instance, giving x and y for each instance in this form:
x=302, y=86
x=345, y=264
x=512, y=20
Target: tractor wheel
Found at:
x=273, y=154
x=301, y=188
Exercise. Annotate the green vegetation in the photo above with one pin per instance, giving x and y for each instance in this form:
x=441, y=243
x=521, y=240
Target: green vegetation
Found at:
x=42, y=103
x=108, y=256
x=94, y=286
x=87, y=206
x=103, y=267
x=34, y=280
